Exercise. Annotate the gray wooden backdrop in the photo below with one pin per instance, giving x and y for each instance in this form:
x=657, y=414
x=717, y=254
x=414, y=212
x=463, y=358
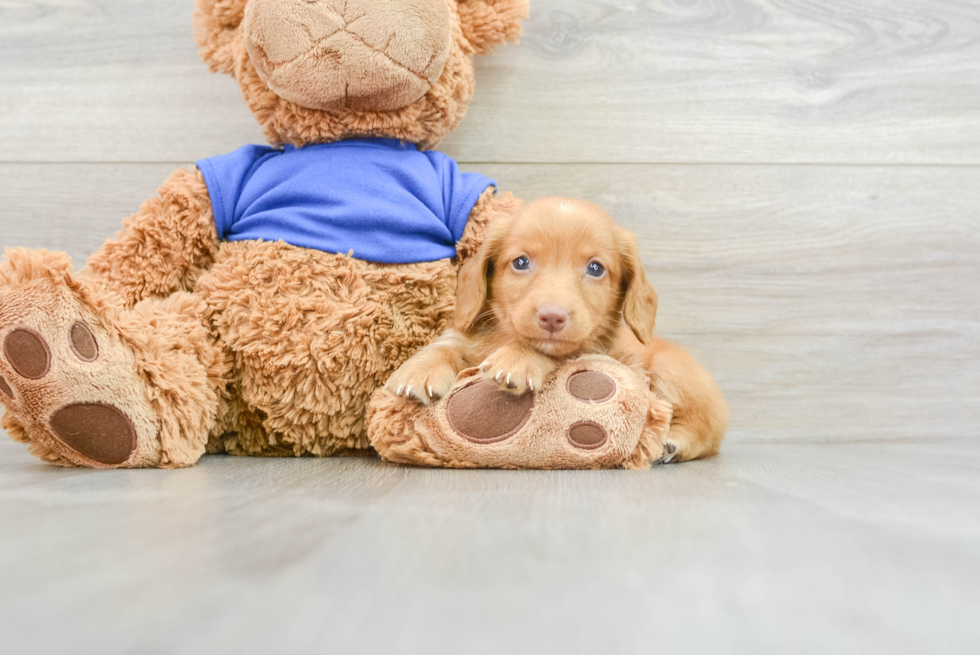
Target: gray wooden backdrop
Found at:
x=804, y=175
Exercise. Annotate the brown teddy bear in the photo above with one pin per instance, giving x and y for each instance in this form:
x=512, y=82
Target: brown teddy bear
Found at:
x=255, y=305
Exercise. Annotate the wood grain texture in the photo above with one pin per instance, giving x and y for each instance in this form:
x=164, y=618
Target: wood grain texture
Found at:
x=869, y=81
x=832, y=303
x=776, y=548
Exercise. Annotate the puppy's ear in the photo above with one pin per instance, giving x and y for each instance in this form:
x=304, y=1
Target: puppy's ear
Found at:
x=489, y=23
x=639, y=298
x=473, y=281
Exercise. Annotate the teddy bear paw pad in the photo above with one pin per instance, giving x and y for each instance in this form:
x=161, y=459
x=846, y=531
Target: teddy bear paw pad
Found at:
x=99, y=431
x=28, y=353
x=5, y=388
x=70, y=383
x=83, y=343
x=591, y=386
x=587, y=435
x=482, y=413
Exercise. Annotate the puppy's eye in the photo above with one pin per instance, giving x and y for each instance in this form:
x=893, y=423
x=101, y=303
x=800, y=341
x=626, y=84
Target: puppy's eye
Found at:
x=596, y=269
x=521, y=263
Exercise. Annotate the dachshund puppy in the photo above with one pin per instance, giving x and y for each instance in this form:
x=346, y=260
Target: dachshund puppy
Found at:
x=556, y=280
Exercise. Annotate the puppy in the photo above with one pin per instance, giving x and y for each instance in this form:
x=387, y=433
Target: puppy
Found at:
x=556, y=280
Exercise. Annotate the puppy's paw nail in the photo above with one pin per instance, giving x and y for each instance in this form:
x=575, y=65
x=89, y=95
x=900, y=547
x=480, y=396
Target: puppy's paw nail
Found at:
x=497, y=377
x=398, y=391
x=530, y=384
x=669, y=453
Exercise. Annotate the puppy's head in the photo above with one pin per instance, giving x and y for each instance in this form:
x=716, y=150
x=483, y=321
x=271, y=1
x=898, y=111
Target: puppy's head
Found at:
x=559, y=276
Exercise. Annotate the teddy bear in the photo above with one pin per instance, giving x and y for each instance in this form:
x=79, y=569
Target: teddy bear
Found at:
x=259, y=300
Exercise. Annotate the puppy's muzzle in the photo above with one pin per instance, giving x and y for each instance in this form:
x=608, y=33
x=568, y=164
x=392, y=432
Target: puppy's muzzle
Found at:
x=552, y=318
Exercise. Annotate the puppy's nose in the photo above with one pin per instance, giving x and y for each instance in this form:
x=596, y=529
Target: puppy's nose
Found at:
x=552, y=318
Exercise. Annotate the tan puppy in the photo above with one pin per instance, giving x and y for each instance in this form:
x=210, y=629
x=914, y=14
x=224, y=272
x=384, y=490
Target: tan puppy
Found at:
x=554, y=281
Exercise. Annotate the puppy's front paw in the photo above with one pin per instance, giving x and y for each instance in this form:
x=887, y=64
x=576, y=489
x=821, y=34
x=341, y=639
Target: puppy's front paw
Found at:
x=515, y=370
x=422, y=381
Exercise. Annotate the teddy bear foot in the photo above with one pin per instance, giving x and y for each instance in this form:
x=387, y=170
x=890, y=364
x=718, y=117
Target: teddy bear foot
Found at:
x=592, y=413
x=69, y=384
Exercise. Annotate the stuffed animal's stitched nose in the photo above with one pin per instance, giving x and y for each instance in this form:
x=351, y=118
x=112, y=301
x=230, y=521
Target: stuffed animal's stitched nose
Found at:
x=552, y=318
x=369, y=55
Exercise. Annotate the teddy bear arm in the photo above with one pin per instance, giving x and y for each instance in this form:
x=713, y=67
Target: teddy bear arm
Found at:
x=164, y=247
x=489, y=207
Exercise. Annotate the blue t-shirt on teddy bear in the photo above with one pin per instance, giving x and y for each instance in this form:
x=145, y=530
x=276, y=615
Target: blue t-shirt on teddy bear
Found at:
x=383, y=199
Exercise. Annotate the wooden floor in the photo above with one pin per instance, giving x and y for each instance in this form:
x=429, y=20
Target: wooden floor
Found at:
x=804, y=176
x=769, y=548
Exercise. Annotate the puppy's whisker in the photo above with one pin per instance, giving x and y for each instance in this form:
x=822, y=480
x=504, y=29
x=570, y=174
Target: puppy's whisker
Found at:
x=490, y=313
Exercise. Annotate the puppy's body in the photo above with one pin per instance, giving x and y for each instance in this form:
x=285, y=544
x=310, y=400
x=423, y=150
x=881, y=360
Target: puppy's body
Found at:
x=557, y=280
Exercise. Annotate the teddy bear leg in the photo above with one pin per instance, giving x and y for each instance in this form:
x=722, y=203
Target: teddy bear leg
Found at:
x=164, y=247
x=591, y=413
x=86, y=383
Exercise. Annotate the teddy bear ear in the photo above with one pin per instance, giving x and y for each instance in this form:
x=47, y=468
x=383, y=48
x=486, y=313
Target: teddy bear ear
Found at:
x=489, y=23
x=216, y=24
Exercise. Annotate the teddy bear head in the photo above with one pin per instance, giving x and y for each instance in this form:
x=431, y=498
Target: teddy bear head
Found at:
x=314, y=71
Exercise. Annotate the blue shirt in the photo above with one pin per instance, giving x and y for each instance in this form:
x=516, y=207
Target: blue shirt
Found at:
x=382, y=199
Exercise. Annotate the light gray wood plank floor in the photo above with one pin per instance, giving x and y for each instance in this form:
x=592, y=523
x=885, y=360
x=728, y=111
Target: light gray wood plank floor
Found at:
x=804, y=176
x=769, y=548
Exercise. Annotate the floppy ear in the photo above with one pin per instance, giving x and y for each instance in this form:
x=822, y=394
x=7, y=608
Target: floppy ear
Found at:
x=489, y=23
x=639, y=298
x=473, y=281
